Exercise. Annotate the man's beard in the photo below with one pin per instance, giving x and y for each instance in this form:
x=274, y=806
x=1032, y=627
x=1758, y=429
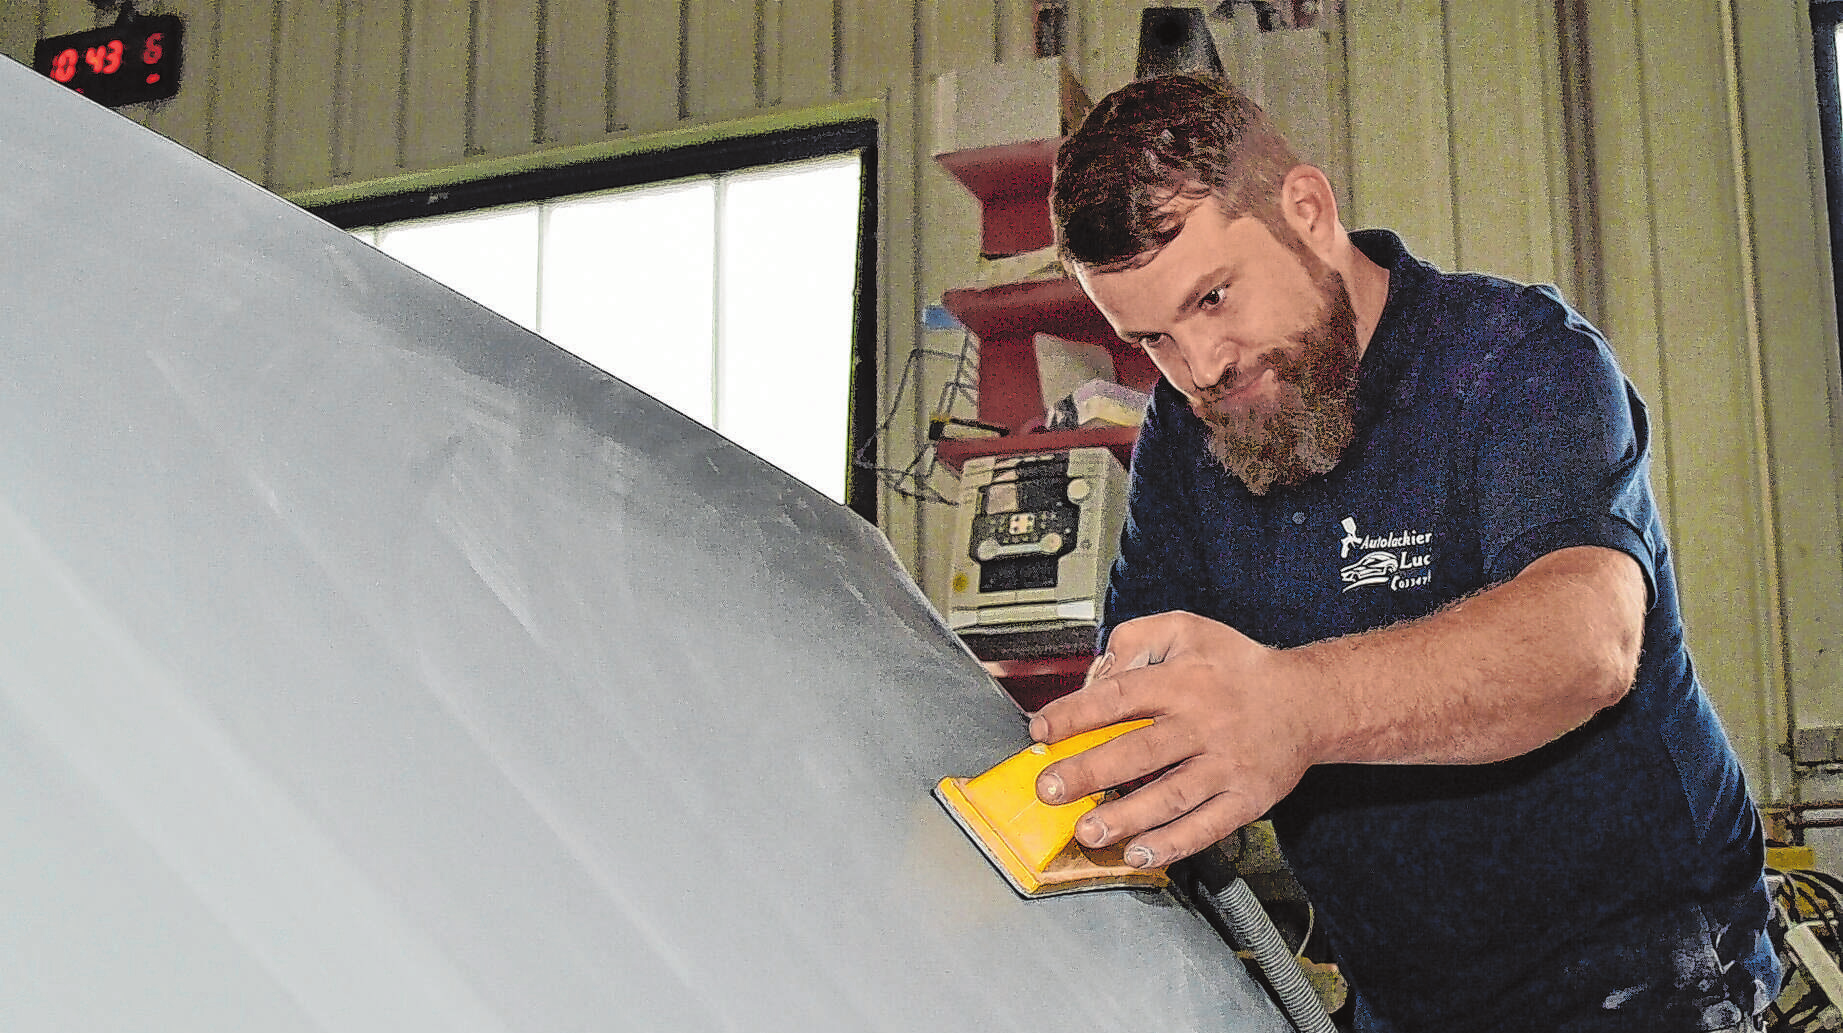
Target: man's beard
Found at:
x=1304, y=429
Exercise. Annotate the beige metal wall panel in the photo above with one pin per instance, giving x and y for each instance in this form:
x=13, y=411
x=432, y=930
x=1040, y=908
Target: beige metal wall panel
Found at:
x=186, y=118
x=1675, y=285
x=770, y=43
x=1798, y=345
x=1401, y=172
x=1561, y=134
x=878, y=58
x=57, y=17
x=721, y=75
x=878, y=53
x=1621, y=142
x=1720, y=533
x=243, y=112
x=371, y=141
x=1503, y=117
x=1108, y=51
x=803, y=52
x=1014, y=30
x=505, y=79
x=579, y=71
x=955, y=35
x=1296, y=77
x=307, y=85
x=648, y=41
x=437, y=67
x=22, y=24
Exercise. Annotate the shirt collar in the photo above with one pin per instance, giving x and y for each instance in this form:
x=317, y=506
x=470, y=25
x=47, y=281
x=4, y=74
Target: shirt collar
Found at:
x=1386, y=374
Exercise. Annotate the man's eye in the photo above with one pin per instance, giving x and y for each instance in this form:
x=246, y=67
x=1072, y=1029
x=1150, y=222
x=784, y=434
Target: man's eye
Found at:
x=1214, y=298
x=1151, y=341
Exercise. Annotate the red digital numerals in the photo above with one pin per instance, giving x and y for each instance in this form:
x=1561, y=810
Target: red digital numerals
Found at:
x=105, y=59
x=123, y=64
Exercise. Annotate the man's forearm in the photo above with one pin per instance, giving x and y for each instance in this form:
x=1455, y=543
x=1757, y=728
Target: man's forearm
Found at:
x=1491, y=677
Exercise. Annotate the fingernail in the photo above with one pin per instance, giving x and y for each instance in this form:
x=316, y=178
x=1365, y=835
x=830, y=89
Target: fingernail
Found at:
x=1049, y=789
x=1039, y=729
x=1139, y=857
x=1090, y=831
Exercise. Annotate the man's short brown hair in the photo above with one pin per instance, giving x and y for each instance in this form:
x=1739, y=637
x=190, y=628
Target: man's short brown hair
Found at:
x=1150, y=143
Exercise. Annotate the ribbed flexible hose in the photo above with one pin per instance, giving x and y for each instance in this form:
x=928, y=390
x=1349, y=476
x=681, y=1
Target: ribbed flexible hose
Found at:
x=1239, y=907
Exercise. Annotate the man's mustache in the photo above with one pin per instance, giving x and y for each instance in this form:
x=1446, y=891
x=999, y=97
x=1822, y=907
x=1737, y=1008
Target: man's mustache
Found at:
x=1236, y=377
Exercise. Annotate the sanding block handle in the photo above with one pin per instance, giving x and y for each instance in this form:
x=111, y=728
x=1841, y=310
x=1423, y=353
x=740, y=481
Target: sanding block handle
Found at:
x=1007, y=795
x=1033, y=843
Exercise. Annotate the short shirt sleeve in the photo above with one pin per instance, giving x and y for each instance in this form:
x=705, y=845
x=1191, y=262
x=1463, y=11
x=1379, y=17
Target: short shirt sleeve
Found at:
x=1561, y=455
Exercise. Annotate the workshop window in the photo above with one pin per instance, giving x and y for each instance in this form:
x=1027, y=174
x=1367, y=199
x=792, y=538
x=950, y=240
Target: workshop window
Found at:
x=732, y=295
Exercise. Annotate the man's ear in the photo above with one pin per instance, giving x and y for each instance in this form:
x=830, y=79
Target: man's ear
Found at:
x=1310, y=209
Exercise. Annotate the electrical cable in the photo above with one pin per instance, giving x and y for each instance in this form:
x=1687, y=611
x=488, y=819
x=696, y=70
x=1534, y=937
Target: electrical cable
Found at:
x=1822, y=894
x=915, y=479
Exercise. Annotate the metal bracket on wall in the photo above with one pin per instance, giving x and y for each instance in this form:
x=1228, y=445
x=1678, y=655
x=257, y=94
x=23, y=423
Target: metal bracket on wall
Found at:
x=1820, y=746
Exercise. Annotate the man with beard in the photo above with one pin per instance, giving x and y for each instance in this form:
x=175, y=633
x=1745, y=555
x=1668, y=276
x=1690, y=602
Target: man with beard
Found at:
x=1392, y=576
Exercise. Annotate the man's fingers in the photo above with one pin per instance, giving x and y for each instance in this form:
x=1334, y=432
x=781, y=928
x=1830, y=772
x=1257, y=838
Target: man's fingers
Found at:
x=1104, y=698
x=1209, y=823
x=1166, y=799
x=1147, y=640
x=1101, y=702
x=1132, y=755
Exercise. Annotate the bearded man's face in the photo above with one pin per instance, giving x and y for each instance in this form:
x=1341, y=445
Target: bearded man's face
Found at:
x=1256, y=332
x=1303, y=426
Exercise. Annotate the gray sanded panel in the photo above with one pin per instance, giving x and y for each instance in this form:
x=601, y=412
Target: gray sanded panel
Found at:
x=367, y=663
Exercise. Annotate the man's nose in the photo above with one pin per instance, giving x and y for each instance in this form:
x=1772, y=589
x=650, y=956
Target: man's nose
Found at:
x=1208, y=357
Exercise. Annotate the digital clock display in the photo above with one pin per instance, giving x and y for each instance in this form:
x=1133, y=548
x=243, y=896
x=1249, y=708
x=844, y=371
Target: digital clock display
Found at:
x=134, y=60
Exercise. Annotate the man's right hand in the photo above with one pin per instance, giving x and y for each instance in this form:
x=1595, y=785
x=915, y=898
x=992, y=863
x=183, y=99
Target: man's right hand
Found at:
x=1230, y=734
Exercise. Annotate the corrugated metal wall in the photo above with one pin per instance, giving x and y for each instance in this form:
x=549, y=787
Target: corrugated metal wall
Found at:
x=1656, y=159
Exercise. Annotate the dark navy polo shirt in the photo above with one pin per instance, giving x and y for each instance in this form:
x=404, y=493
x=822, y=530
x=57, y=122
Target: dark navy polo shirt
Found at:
x=1609, y=880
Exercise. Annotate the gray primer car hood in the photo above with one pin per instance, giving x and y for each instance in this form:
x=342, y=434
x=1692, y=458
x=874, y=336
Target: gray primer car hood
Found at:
x=369, y=663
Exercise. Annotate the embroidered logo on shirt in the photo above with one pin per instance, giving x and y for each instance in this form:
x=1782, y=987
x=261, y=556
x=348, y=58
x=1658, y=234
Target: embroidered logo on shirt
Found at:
x=1398, y=559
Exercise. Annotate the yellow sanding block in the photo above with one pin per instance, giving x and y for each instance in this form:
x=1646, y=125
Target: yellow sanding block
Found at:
x=1031, y=843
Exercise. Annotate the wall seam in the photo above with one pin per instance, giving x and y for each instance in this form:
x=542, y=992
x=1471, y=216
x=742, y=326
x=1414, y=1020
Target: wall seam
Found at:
x=761, y=53
x=540, y=77
x=272, y=105
x=1583, y=188
x=684, y=59
x=215, y=48
x=611, y=87
x=470, y=107
x=1655, y=276
x=339, y=142
x=1452, y=139
x=403, y=86
x=1773, y=598
x=838, y=47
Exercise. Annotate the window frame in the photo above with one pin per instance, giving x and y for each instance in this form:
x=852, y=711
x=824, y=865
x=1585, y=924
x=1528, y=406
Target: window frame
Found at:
x=716, y=157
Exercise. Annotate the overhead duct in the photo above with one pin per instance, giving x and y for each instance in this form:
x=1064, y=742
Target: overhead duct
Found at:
x=1175, y=40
